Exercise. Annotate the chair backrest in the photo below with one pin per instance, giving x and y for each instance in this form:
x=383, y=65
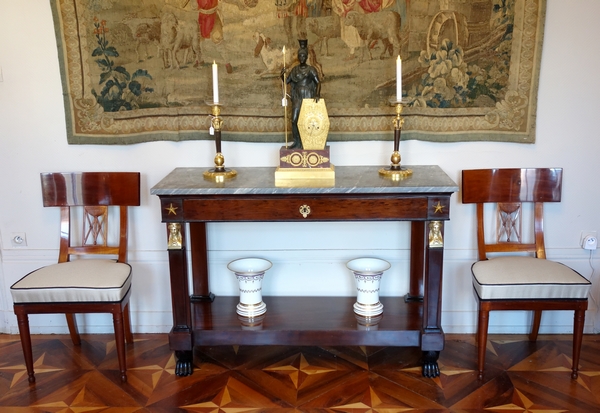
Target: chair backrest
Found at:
x=509, y=189
x=95, y=192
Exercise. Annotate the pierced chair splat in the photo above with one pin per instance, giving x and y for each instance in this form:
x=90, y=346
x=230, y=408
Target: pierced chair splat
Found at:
x=79, y=283
x=512, y=274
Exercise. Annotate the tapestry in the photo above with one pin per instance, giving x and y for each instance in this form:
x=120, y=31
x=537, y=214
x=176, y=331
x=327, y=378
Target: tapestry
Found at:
x=142, y=70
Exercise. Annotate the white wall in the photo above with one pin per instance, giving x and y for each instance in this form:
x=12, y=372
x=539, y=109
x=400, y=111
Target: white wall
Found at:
x=33, y=139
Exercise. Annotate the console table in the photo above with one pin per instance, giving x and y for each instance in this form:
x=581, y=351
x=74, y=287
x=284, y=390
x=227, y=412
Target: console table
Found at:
x=358, y=194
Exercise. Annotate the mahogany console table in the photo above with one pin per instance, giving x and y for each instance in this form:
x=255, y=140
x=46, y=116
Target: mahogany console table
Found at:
x=359, y=194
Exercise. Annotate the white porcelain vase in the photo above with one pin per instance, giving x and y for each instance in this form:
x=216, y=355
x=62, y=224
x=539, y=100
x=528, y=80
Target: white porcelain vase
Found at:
x=368, y=273
x=250, y=273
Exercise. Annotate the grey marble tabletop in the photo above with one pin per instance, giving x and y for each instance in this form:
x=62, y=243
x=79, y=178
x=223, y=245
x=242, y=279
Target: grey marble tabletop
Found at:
x=348, y=179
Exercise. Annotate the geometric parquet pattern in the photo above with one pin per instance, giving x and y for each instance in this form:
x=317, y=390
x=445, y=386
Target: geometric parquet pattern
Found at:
x=520, y=376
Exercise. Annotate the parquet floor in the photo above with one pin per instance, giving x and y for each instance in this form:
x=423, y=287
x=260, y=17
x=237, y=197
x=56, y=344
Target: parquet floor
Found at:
x=520, y=377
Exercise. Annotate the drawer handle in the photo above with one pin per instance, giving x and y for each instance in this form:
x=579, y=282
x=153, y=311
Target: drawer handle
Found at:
x=305, y=210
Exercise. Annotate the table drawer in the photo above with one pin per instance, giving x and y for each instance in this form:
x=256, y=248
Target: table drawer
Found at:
x=305, y=208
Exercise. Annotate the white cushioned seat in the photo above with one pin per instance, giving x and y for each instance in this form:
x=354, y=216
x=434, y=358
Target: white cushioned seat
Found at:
x=526, y=278
x=84, y=280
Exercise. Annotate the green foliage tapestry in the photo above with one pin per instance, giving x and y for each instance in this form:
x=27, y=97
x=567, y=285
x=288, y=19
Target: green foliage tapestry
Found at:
x=141, y=70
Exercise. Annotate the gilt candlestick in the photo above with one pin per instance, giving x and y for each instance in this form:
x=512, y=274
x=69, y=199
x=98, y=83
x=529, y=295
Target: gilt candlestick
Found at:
x=395, y=170
x=219, y=172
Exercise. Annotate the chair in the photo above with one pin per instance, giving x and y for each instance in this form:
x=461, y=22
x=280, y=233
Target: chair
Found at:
x=83, y=285
x=523, y=279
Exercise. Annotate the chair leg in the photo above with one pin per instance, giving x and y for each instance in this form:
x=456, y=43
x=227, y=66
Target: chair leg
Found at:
x=535, y=328
x=482, y=330
x=23, y=321
x=579, y=321
x=73, y=330
x=120, y=343
x=127, y=325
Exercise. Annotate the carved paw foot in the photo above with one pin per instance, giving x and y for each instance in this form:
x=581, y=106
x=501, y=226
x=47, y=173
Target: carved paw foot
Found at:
x=430, y=365
x=185, y=363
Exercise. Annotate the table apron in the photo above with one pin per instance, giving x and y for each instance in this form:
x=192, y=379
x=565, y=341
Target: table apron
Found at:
x=305, y=208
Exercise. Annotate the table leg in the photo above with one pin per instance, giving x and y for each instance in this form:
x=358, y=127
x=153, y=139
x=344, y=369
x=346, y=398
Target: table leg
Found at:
x=199, y=251
x=180, y=337
x=432, y=339
x=417, y=263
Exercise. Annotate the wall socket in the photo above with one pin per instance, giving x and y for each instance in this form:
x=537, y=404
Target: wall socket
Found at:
x=589, y=240
x=18, y=239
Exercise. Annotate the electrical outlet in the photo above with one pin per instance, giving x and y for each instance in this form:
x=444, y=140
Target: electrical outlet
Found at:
x=586, y=234
x=18, y=239
x=590, y=243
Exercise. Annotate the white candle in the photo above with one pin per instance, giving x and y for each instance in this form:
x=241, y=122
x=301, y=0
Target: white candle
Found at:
x=215, y=76
x=398, y=79
x=283, y=102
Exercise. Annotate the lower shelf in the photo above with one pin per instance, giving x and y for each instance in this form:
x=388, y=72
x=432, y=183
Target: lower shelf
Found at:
x=325, y=321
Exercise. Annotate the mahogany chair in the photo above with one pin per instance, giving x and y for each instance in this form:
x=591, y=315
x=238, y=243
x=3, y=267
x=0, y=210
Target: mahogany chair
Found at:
x=83, y=284
x=523, y=279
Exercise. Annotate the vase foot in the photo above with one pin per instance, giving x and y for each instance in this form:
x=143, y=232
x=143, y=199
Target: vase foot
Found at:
x=251, y=310
x=368, y=310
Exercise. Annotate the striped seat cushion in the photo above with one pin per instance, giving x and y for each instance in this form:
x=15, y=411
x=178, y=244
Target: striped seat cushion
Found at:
x=527, y=278
x=84, y=280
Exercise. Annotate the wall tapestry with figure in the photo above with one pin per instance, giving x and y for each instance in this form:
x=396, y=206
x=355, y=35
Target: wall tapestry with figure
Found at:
x=140, y=70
